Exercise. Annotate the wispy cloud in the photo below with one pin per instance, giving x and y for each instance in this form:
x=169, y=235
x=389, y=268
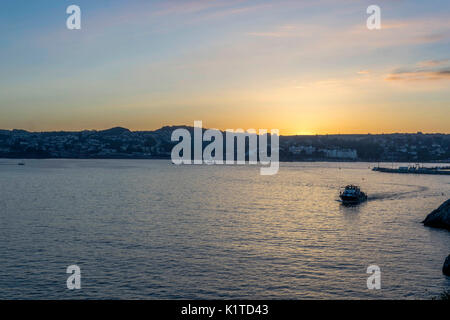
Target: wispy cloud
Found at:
x=420, y=75
x=394, y=33
x=426, y=70
x=432, y=63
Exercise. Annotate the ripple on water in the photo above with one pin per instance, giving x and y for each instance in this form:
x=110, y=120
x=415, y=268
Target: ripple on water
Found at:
x=147, y=230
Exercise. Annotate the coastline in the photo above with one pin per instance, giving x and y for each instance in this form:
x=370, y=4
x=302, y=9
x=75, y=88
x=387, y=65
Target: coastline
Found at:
x=2, y=157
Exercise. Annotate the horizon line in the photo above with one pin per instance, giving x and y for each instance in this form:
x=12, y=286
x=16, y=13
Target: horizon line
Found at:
x=223, y=130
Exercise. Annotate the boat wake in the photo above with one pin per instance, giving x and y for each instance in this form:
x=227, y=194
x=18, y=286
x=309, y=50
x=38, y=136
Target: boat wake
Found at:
x=397, y=195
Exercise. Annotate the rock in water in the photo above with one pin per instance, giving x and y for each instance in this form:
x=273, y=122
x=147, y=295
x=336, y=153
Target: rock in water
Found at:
x=439, y=218
x=446, y=267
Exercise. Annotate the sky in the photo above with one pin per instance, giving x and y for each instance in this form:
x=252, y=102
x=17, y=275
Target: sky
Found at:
x=303, y=66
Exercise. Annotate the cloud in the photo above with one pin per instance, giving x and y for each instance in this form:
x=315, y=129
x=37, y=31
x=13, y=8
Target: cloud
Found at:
x=208, y=9
x=329, y=37
x=432, y=63
x=426, y=70
x=420, y=75
x=269, y=34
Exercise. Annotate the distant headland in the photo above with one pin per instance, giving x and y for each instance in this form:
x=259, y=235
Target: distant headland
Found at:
x=121, y=143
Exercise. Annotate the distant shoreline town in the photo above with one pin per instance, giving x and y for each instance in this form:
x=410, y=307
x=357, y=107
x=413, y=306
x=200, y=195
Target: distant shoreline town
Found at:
x=121, y=143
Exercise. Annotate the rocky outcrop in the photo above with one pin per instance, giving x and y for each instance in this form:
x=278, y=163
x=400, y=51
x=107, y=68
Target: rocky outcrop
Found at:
x=439, y=218
x=446, y=267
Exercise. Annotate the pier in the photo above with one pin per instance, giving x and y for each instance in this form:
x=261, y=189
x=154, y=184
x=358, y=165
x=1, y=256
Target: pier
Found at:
x=415, y=170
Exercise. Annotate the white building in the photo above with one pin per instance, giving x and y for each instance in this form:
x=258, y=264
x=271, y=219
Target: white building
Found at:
x=300, y=149
x=342, y=154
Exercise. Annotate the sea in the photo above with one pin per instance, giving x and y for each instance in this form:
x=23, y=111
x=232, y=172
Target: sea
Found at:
x=149, y=229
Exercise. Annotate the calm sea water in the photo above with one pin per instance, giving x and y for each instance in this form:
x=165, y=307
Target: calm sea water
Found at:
x=143, y=229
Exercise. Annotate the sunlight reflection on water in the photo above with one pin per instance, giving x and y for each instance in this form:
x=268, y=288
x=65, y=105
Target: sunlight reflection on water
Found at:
x=151, y=230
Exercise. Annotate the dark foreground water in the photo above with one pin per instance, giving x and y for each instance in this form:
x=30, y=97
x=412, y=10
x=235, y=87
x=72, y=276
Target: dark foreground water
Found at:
x=150, y=230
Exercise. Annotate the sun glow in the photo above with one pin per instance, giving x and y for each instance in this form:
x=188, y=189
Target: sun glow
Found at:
x=301, y=133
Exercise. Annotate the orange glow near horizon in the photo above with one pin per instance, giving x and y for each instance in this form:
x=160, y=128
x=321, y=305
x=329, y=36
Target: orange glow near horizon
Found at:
x=231, y=64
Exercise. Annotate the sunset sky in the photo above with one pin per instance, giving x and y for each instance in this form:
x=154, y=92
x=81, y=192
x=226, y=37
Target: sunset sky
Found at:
x=303, y=67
